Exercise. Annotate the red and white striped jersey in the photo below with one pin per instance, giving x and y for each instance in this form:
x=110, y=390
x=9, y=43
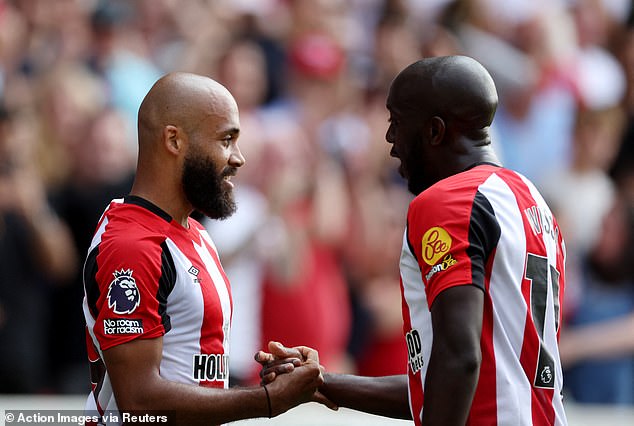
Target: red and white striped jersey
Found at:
x=490, y=227
x=147, y=276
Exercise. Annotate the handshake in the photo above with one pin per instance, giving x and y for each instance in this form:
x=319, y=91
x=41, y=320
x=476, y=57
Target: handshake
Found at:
x=291, y=376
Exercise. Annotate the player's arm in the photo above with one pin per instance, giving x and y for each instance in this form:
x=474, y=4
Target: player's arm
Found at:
x=384, y=396
x=454, y=364
x=133, y=368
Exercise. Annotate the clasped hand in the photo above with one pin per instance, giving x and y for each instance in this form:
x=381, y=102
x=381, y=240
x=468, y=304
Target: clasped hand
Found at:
x=282, y=360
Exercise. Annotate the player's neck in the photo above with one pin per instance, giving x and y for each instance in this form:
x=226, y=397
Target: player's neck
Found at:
x=173, y=204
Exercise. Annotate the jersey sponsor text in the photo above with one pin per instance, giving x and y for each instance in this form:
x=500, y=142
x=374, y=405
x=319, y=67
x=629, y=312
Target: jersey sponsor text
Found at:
x=210, y=367
x=447, y=262
x=414, y=350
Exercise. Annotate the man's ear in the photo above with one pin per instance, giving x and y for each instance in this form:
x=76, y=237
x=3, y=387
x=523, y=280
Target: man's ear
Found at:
x=172, y=138
x=436, y=130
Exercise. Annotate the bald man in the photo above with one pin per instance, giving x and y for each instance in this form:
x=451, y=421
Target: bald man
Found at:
x=482, y=267
x=157, y=302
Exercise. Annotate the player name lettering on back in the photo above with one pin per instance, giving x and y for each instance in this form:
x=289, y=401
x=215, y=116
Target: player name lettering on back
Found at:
x=210, y=367
x=541, y=221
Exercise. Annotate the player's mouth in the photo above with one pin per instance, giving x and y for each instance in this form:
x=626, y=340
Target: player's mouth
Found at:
x=401, y=170
x=227, y=177
x=227, y=180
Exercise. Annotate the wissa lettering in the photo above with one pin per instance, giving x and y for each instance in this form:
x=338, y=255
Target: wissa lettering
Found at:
x=210, y=367
x=541, y=221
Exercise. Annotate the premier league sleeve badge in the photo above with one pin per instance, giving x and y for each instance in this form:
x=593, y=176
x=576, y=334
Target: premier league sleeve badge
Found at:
x=123, y=294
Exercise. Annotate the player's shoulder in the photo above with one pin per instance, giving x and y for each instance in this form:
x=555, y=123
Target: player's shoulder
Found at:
x=195, y=224
x=454, y=191
x=131, y=227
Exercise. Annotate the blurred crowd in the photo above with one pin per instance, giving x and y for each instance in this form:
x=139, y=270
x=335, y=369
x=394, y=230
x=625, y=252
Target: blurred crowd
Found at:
x=313, y=250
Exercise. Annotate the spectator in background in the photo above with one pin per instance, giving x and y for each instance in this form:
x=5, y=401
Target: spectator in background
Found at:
x=304, y=276
x=525, y=49
x=36, y=254
x=306, y=189
x=102, y=167
x=598, y=343
x=622, y=170
x=122, y=57
x=13, y=37
x=596, y=140
x=372, y=266
x=354, y=137
x=595, y=219
x=58, y=32
x=583, y=193
x=67, y=97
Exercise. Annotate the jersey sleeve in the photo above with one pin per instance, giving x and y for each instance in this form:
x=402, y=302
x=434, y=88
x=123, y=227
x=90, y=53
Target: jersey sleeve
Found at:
x=452, y=236
x=127, y=283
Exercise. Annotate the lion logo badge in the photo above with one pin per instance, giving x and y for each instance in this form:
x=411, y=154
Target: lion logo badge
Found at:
x=546, y=375
x=123, y=294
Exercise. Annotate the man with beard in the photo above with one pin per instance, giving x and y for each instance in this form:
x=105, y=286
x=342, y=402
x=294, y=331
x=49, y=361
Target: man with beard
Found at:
x=482, y=268
x=157, y=302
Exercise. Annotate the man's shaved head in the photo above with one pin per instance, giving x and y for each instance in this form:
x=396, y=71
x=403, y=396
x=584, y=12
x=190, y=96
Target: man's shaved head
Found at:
x=441, y=109
x=452, y=87
x=182, y=100
x=188, y=131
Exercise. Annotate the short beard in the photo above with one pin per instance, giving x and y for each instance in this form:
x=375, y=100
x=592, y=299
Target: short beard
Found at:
x=415, y=186
x=203, y=187
x=415, y=182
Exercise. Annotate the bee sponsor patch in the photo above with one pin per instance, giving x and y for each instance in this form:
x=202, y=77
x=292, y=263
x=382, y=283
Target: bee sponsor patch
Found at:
x=436, y=243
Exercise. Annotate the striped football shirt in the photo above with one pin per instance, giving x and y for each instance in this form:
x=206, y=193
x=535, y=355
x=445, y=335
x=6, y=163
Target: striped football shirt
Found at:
x=146, y=276
x=489, y=227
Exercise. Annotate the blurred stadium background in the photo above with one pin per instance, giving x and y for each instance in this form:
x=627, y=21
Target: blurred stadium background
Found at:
x=321, y=208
